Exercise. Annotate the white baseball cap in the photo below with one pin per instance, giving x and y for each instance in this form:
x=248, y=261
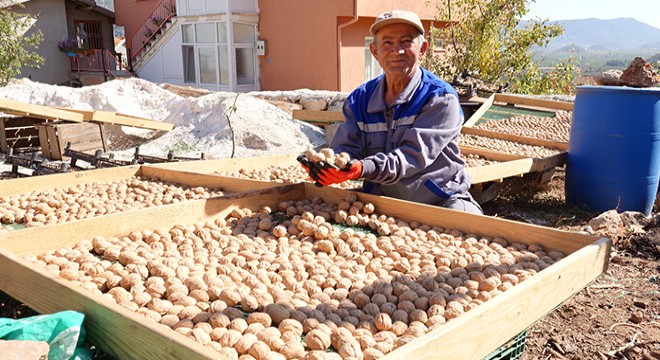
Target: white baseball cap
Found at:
x=397, y=17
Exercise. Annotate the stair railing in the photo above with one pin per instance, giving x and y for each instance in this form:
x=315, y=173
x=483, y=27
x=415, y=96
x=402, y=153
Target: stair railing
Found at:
x=152, y=25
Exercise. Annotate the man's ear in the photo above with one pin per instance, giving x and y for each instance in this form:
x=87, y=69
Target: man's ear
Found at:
x=372, y=48
x=424, y=47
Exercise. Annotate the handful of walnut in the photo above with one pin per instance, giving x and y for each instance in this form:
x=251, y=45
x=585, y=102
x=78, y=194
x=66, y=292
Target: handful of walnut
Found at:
x=323, y=159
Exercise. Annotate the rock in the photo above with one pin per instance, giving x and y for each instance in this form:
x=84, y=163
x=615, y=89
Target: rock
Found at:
x=635, y=222
x=606, y=219
x=24, y=350
x=639, y=74
x=609, y=78
x=636, y=317
x=316, y=104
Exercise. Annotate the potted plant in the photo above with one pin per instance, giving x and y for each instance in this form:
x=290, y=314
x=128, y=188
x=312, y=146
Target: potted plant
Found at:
x=156, y=20
x=69, y=46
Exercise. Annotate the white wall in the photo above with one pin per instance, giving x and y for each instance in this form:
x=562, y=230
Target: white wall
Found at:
x=208, y=7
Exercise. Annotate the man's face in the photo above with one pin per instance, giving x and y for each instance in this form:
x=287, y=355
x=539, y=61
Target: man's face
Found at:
x=398, y=48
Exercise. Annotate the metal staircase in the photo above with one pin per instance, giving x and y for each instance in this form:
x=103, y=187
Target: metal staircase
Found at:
x=152, y=29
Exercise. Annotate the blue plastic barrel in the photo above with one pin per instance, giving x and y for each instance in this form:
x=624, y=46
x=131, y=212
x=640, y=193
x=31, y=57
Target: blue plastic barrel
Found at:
x=614, y=149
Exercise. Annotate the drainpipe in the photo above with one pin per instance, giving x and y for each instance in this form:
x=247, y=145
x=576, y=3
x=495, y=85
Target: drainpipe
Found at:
x=339, y=28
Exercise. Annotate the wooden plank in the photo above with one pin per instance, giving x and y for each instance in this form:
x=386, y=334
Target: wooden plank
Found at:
x=44, y=183
x=562, y=146
x=539, y=103
x=494, y=172
x=233, y=164
x=38, y=111
x=318, y=116
x=116, y=118
x=3, y=137
x=480, y=112
x=104, y=137
x=55, y=143
x=123, y=334
x=43, y=141
x=126, y=120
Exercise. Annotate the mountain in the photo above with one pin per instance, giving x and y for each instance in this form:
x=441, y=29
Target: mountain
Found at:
x=616, y=35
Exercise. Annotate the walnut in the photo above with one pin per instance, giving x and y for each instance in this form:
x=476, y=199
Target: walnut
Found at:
x=317, y=340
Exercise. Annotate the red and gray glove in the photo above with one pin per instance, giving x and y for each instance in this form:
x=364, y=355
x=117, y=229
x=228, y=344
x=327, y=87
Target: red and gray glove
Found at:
x=333, y=175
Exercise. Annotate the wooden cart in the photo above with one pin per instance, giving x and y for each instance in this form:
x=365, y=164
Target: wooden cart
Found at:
x=128, y=335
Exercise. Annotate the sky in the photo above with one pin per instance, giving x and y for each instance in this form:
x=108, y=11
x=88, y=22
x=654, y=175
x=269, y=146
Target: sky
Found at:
x=646, y=11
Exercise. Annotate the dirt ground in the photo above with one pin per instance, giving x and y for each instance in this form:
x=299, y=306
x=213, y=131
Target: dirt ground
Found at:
x=618, y=315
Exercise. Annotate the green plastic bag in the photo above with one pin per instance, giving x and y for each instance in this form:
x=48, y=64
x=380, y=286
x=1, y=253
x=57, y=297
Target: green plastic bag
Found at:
x=63, y=331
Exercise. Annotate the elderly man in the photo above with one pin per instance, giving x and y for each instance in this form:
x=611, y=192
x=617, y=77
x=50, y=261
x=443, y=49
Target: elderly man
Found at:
x=403, y=127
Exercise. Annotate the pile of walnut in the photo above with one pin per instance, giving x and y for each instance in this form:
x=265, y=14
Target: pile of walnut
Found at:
x=82, y=201
x=351, y=291
x=506, y=146
x=555, y=128
x=281, y=174
x=475, y=160
x=295, y=173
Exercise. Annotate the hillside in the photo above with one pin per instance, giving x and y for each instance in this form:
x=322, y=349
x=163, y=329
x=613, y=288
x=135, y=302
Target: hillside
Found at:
x=615, y=34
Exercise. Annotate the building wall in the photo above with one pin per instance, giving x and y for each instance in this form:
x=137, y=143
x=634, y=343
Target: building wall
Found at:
x=51, y=18
x=306, y=55
x=303, y=55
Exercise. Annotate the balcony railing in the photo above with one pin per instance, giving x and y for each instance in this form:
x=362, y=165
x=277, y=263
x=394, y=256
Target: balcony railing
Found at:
x=99, y=60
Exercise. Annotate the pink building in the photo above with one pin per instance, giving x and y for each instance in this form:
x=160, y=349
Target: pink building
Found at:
x=248, y=45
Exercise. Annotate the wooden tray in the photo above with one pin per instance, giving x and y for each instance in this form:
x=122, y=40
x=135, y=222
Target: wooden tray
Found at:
x=128, y=335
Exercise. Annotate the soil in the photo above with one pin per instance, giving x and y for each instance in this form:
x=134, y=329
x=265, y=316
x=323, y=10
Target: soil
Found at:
x=616, y=317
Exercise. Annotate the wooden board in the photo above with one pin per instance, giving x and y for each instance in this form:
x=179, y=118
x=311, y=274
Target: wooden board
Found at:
x=85, y=137
x=318, y=117
x=473, y=335
x=122, y=119
x=561, y=146
x=38, y=111
x=31, y=184
x=215, y=165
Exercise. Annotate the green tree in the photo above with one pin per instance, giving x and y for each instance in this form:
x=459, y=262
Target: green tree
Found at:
x=15, y=42
x=484, y=38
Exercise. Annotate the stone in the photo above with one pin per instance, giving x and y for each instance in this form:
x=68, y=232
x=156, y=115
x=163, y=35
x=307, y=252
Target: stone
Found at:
x=609, y=78
x=639, y=74
x=606, y=219
x=315, y=104
x=24, y=350
x=635, y=221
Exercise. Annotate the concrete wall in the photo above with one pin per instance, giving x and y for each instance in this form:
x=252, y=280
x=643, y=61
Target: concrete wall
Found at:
x=51, y=19
x=131, y=14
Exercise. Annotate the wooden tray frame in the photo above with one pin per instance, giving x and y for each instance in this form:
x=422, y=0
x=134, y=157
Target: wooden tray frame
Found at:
x=511, y=165
x=517, y=101
x=128, y=335
x=65, y=180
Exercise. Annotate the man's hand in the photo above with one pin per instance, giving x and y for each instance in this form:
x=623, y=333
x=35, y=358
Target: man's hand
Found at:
x=310, y=168
x=332, y=175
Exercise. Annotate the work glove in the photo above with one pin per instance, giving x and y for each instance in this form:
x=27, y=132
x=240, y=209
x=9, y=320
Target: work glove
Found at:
x=329, y=175
x=311, y=168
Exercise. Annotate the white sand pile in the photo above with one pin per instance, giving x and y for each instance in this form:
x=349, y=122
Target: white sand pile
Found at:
x=201, y=124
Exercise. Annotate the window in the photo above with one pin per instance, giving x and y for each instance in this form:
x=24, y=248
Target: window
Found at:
x=205, y=33
x=245, y=66
x=211, y=58
x=189, y=64
x=88, y=34
x=371, y=67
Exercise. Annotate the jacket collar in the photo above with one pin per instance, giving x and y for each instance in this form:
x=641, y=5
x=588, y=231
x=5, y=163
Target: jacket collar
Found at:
x=377, y=101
